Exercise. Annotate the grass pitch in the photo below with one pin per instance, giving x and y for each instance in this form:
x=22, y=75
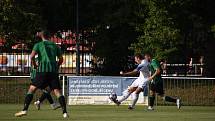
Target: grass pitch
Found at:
x=110, y=113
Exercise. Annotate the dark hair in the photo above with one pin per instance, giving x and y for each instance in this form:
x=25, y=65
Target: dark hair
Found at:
x=46, y=33
x=148, y=54
x=138, y=55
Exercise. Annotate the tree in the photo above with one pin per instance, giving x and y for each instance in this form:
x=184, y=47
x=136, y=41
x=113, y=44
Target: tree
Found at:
x=19, y=21
x=158, y=33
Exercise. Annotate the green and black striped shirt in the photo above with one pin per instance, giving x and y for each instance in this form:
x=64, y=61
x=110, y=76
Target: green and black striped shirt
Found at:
x=48, y=52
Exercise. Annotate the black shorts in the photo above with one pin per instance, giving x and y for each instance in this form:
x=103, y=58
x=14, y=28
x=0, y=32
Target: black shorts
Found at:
x=157, y=87
x=45, y=79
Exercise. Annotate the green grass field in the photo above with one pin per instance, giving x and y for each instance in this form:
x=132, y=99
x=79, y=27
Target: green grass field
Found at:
x=110, y=113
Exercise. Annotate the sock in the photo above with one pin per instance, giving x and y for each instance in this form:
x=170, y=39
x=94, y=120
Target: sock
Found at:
x=48, y=96
x=151, y=100
x=28, y=99
x=134, y=101
x=126, y=94
x=170, y=99
x=42, y=97
x=62, y=103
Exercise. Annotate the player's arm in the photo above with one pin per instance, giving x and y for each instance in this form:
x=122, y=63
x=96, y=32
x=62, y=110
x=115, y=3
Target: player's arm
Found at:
x=32, y=57
x=157, y=72
x=60, y=60
x=60, y=56
x=157, y=68
x=131, y=73
x=134, y=72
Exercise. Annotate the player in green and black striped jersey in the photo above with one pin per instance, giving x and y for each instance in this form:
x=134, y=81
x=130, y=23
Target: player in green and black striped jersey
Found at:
x=49, y=60
x=156, y=83
x=46, y=93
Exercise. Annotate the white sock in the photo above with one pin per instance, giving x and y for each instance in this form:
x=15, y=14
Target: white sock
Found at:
x=134, y=101
x=126, y=94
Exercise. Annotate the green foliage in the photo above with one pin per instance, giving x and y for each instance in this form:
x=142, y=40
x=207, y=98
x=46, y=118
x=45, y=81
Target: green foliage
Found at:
x=18, y=21
x=157, y=33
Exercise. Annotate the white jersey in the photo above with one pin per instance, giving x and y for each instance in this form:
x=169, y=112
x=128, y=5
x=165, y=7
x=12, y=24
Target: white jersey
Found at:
x=143, y=68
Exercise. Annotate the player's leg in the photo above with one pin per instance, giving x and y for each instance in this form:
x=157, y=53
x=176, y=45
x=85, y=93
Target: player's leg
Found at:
x=54, y=85
x=142, y=83
x=27, y=101
x=46, y=95
x=177, y=101
x=53, y=105
x=151, y=96
x=135, y=98
x=145, y=95
x=127, y=93
x=159, y=89
x=62, y=102
x=40, y=100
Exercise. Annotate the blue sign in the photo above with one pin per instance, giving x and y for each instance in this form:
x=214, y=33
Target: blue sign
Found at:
x=97, y=85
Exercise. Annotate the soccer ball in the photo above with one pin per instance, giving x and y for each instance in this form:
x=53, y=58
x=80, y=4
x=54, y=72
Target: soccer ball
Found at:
x=113, y=96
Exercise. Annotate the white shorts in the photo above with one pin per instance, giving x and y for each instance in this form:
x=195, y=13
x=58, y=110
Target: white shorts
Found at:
x=140, y=82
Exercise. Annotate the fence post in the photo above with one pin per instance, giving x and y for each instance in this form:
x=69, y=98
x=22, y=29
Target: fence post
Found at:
x=63, y=88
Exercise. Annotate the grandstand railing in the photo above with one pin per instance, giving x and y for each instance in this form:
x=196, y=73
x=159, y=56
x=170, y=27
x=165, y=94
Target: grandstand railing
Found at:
x=192, y=90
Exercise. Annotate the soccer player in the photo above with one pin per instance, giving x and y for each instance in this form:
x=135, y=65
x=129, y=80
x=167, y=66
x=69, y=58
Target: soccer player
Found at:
x=139, y=84
x=156, y=84
x=47, y=72
x=46, y=93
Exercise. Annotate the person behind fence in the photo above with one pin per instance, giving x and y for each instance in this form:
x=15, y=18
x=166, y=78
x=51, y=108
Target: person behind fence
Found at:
x=138, y=85
x=156, y=84
x=46, y=92
x=47, y=72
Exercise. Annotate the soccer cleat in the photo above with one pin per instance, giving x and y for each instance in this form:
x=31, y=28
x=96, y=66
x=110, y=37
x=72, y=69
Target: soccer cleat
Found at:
x=115, y=101
x=178, y=103
x=37, y=105
x=55, y=106
x=150, y=108
x=130, y=108
x=65, y=115
x=21, y=113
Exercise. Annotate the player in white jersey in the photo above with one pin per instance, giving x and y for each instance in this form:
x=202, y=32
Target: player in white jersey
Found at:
x=138, y=85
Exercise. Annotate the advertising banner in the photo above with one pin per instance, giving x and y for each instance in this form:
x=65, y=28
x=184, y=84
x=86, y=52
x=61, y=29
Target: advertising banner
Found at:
x=96, y=89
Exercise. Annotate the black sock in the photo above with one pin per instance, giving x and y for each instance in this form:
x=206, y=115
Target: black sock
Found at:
x=46, y=95
x=170, y=99
x=151, y=100
x=28, y=99
x=62, y=103
x=49, y=98
x=42, y=97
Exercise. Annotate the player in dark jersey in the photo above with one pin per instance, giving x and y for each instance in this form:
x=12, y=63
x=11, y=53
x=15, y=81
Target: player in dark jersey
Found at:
x=156, y=84
x=45, y=95
x=49, y=60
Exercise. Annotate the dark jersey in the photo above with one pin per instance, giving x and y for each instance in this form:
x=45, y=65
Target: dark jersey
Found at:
x=48, y=52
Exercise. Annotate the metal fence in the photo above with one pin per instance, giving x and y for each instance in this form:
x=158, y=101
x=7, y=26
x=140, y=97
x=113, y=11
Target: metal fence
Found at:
x=183, y=69
x=14, y=88
x=15, y=59
x=193, y=91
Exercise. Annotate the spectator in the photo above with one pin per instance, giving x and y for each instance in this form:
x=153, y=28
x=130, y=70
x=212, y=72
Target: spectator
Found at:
x=201, y=61
x=190, y=66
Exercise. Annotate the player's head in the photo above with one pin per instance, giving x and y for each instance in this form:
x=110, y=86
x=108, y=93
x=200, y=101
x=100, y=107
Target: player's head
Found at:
x=44, y=34
x=148, y=56
x=138, y=58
